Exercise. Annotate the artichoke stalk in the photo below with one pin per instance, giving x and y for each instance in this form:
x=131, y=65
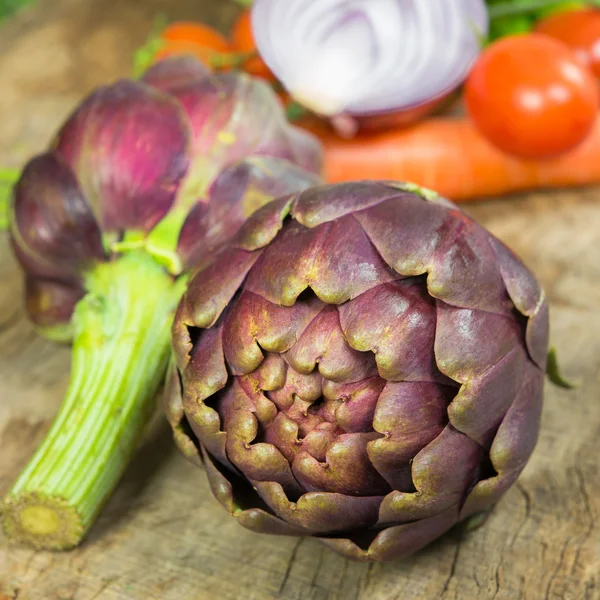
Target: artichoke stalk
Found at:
x=145, y=181
x=363, y=364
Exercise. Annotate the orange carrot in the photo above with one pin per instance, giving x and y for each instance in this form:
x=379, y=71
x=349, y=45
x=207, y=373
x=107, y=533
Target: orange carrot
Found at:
x=200, y=40
x=451, y=157
x=242, y=40
x=197, y=33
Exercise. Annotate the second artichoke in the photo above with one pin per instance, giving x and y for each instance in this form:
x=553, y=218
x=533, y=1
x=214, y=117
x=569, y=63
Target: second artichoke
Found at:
x=143, y=182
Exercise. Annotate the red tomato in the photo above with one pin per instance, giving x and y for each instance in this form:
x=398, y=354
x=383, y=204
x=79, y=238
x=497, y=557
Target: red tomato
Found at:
x=243, y=41
x=580, y=30
x=530, y=96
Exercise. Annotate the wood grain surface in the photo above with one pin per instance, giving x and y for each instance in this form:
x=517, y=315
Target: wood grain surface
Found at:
x=163, y=536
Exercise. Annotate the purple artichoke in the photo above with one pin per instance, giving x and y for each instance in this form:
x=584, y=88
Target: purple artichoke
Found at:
x=146, y=180
x=363, y=364
x=144, y=160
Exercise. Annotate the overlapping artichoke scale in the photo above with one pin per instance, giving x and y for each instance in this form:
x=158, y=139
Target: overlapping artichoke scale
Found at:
x=53, y=228
x=529, y=299
x=254, y=323
x=255, y=519
x=481, y=404
x=324, y=203
x=513, y=443
x=128, y=145
x=55, y=237
x=257, y=460
x=453, y=250
x=238, y=191
x=323, y=346
x=468, y=342
x=335, y=259
x=204, y=377
x=265, y=224
x=442, y=474
x=321, y=512
x=400, y=332
x=209, y=294
x=172, y=405
x=354, y=404
x=233, y=116
x=173, y=72
x=396, y=542
x=410, y=415
x=50, y=304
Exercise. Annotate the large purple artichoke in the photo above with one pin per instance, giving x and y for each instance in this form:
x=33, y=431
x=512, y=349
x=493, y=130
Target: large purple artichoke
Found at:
x=364, y=364
x=144, y=181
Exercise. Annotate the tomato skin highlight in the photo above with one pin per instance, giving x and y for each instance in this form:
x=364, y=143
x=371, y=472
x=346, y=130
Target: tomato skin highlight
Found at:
x=531, y=97
x=578, y=29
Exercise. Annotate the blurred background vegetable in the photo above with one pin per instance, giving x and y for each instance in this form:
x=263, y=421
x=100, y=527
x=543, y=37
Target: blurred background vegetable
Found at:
x=9, y=7
x=451, y=155
x=242, y=38
x=366, y=59
x=508, y=17
x=580, y=30
x=530, y=97
x=201, y=41
x=497, y=87
x=144, y=181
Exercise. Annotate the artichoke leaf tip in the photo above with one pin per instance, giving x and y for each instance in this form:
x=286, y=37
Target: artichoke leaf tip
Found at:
x=554, y=374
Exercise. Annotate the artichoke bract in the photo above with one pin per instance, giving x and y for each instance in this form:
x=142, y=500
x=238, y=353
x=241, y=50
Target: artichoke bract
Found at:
x=364, y=364
x=145, y=180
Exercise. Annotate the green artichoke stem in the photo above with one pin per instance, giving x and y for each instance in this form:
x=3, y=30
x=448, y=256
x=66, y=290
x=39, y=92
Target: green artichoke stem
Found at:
x=161, y=243
x=120, y=352
x=8, y=177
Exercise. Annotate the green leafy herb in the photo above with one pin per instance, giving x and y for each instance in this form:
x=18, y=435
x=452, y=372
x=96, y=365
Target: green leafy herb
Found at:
x=8, y=177
x=510, y=17
x=9, y=7
x=144, y=56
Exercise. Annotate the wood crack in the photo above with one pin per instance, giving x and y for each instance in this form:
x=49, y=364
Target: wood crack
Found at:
x=497, y=577
x=452, y=567
x=527, y=507
x=588, y=509
x=290, y=563
x=555, y=572
x=313, y=581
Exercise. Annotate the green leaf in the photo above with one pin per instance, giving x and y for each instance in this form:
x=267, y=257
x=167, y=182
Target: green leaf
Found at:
x=504, y=26
x=8, y=178
x=563, y=7
x=9, y=7
x=508, y=8
x=554, y=374
x=144, y=56
x=295, y=111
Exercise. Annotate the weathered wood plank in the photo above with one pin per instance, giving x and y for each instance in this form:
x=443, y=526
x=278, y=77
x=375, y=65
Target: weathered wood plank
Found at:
x=162, y=536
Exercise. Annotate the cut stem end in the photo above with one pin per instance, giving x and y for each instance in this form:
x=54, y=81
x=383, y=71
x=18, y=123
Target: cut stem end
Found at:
x=42, y=522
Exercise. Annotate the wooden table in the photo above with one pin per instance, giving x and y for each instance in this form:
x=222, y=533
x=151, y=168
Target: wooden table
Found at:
x=163, y=536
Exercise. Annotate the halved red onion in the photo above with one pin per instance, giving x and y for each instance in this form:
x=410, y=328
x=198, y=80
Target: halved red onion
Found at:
x=367, y=57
